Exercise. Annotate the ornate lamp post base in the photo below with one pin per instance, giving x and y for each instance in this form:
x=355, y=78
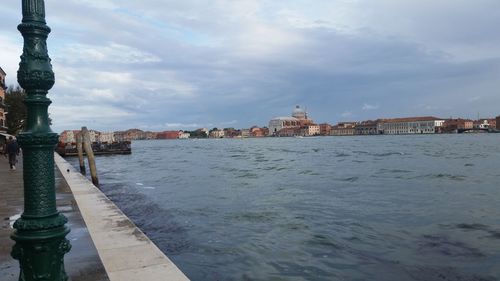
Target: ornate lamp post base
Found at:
x=40, y=233
x=41, y=254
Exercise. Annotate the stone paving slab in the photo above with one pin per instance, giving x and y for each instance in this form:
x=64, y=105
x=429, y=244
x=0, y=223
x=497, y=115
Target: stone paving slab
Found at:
x=126, y=252
x=82, y=262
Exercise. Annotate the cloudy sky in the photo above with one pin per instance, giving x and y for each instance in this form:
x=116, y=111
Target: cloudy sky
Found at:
x=169, y=64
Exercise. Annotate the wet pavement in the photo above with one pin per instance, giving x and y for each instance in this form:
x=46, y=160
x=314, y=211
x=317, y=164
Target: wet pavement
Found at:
x=82, y=262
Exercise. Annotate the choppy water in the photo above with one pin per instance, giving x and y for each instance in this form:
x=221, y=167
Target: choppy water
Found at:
x=330, y=208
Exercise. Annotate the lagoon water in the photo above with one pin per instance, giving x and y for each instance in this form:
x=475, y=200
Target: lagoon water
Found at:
x=328, y=208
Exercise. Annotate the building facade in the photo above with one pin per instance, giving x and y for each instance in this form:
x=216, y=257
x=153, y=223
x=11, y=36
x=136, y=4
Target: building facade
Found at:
x=344, y=129
x=94, y=135
x=288, y=132
x=325, y=129
x=3, y=117
x=245, y=133
x=169, y=135
x=493, y=123
x=498, y=122
x=310, y=130
x=279, y=123
x=232, y=133
x=256, y=132
x=120, y=136
x=367, y=128
x=184, y=135
x=410, y=125
x=68, y=136
x=216, y=134
x=107, y=137
x=298, y=124
x=456, y=125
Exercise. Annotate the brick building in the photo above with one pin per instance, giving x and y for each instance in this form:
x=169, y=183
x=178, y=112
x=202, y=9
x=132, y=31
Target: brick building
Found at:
x=493, y=123
x=325, y=129
x=232, y=133
x=169, y=135
x=257, y=132
x=455, y=125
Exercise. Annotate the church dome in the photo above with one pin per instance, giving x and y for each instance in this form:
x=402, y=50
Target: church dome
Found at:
x=299, y=113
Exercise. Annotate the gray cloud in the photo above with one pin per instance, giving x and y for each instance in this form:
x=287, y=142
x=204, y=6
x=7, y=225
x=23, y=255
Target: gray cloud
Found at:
x=161, y=64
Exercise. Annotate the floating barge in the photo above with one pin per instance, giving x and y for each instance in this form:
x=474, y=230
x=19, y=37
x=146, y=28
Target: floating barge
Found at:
x=69, y=149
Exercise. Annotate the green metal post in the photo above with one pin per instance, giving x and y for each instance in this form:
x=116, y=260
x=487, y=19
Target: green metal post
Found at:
x=40, y=233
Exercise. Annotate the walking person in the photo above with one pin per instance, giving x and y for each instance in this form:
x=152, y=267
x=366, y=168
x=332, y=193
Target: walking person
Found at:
x=12, y=149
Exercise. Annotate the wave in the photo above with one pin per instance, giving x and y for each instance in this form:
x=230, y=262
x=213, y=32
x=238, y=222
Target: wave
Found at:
x=445, y=246
x=447, y=176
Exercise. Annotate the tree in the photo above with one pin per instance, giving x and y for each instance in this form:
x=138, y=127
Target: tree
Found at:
x=16, y=117
x=197, y=134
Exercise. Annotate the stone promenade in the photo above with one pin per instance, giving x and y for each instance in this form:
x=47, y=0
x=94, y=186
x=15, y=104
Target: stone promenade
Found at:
x=82, y=262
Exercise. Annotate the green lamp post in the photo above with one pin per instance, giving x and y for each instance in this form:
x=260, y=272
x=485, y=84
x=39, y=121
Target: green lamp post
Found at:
x=40, y=232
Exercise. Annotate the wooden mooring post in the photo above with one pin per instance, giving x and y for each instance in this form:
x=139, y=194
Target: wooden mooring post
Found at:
x=79, y=148
x=87, y=145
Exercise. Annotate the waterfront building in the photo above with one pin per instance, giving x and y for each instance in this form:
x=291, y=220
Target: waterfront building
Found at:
x=68, y=136
x=94, y=135
x=150, y=135
x=120, y=136
x=107, y=137
x=299, y=113
x=169, y=135
x=497, y=121
x=3, y=113
x=325, y=129
x=298, y=124
x=279, y=123
x=135, y=134
x=256, y=132
x=184, y=135
x=456, y=125
x=128, y=135
x=366, y=128
x=344, y=129
x=216, y=134
x=410, y=125
x=493, y=123
x=310, y=130
x=232, y=133
x=288, y=132
x=245, y=133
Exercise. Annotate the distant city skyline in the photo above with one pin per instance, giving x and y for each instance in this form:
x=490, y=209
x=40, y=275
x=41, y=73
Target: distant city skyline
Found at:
x=166, y=65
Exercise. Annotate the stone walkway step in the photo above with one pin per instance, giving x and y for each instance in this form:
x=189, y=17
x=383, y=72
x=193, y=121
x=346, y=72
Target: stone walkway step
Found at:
x=126, y=252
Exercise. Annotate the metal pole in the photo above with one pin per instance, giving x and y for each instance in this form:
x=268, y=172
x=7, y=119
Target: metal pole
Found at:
x=40, y=233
